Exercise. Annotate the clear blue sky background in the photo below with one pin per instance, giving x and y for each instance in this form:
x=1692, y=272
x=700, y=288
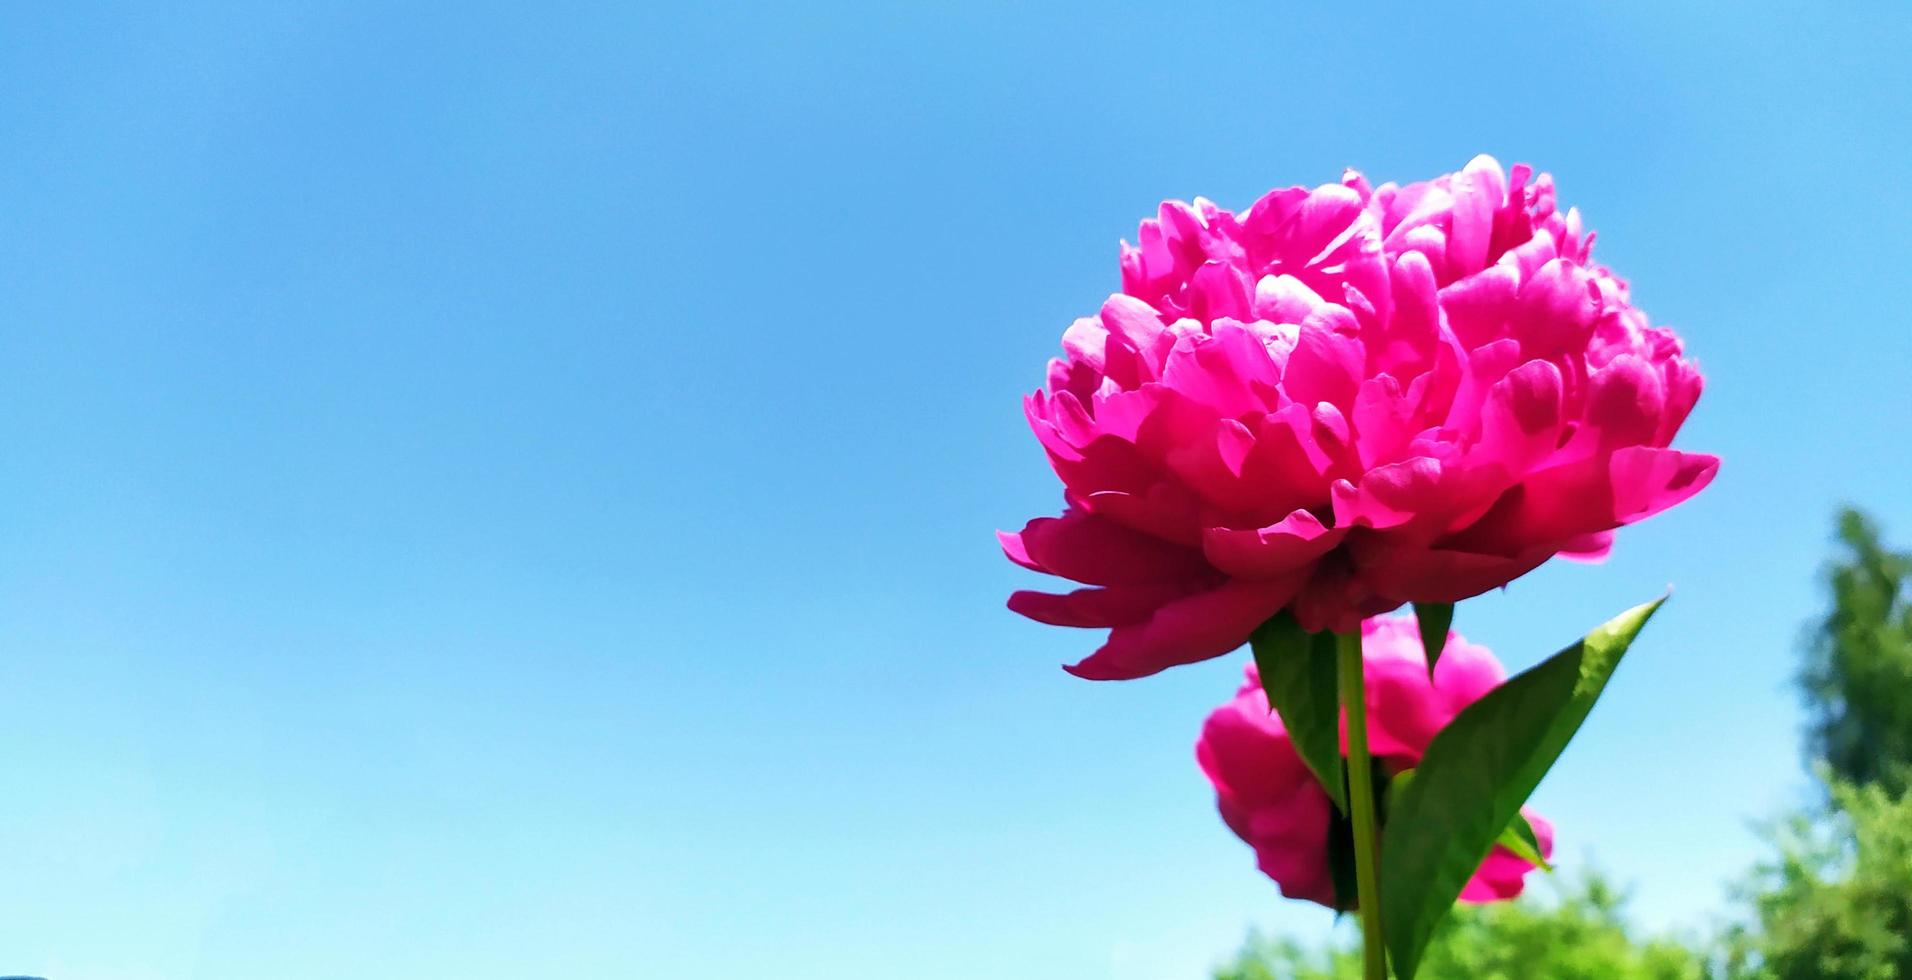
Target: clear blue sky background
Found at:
x=505, y=492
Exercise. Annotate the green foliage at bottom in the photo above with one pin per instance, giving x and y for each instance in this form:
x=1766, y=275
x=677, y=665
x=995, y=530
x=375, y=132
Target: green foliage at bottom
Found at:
x=1578, y=934
x=1837, y=902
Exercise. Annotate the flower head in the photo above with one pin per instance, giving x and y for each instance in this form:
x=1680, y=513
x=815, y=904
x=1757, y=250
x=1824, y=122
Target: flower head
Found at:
x=1341, y=400
x=1268, y=797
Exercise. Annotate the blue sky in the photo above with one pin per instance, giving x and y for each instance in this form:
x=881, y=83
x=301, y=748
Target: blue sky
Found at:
x=500, y=490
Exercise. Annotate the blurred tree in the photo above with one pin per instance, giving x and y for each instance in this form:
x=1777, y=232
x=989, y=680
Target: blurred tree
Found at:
x=1837, y=903
x=1580, y=935
x=1858, y=674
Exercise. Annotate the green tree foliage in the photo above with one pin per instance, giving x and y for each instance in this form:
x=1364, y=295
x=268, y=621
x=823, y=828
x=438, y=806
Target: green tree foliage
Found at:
x=1837, y=903
x=1581, y=934
x=1858, y=673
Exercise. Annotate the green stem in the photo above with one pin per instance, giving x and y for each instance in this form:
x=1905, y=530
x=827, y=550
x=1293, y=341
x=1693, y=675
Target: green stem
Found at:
x=1361, y=804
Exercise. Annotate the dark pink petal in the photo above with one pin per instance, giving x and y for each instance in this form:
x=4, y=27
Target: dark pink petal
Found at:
x=1407, y=707
x=1522, y=417
x=1478, y=192
x=1270, y=219
x=1229, y=371
x=1334, y=600
x=1590, y=548
x=1285, y=299
x=1165, y=510
x=1414, y=208
x=1480, y=307
x=1647, y=480
x=1472, y=673
x=1137, y=324
x=1565, y=503
x=1096, y=608
x=1502, y=875
x=1198, y=627
x=1245, y=752
x=1513, y=224
x=1407, y=345
x=1430, y=243
x=1625, y=402
x=1266, y=795
x=1423, y=574
x=1530, y=256
x=1328, y=361
x=1389, y=496
x=1138, y=342
x=1384, y=418
x=1556, y=310
x=1087, y=342
x=1284, y=858
x=1683, y=385
x=1288, y=463
x=1091, y=549
x=1484, y=368
x=1220, y=290
x=1403, y=712
x=1274, y=550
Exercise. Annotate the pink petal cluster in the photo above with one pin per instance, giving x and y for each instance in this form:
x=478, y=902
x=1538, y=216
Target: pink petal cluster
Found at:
x=1341, y=400
x=1268, y=797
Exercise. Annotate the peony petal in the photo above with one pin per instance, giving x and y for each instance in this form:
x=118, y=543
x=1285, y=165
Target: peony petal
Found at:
x=1403, y=713
x=1484, y=368
x=1219, y=290
x=1288, y=463
x=1646, y=480
x=1091, y=549
x=1328, y=360
x=1478, y=192
x=1408, y=573
x=1556, y=310
x=1230, y=371
x=1479, y=307
x=1277, y=549
x=1502, y=875
x=1389, y=496
x=1591, y=548
x=1384, y=420
x=1285, y=299
x=1097, y=608
x=1625, y=401
x=1522, y=418
x=1414, y=329
x=1166, y=510
x=1559, y=506
x=1245, y=752
x=1198, y=627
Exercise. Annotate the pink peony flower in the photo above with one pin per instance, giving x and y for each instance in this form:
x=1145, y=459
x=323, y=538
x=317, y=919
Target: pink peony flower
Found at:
x=1268, y=797
x=1342, y=400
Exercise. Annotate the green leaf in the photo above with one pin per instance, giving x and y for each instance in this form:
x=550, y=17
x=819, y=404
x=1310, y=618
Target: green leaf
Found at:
x=1434, y=619
x=1519, y=838
x=1397, y=786
x=1475, y=775
x=1298, y=673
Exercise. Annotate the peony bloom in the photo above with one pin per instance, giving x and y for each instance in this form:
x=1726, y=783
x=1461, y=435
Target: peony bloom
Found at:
x=1342, y=400
x=1268, y=797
